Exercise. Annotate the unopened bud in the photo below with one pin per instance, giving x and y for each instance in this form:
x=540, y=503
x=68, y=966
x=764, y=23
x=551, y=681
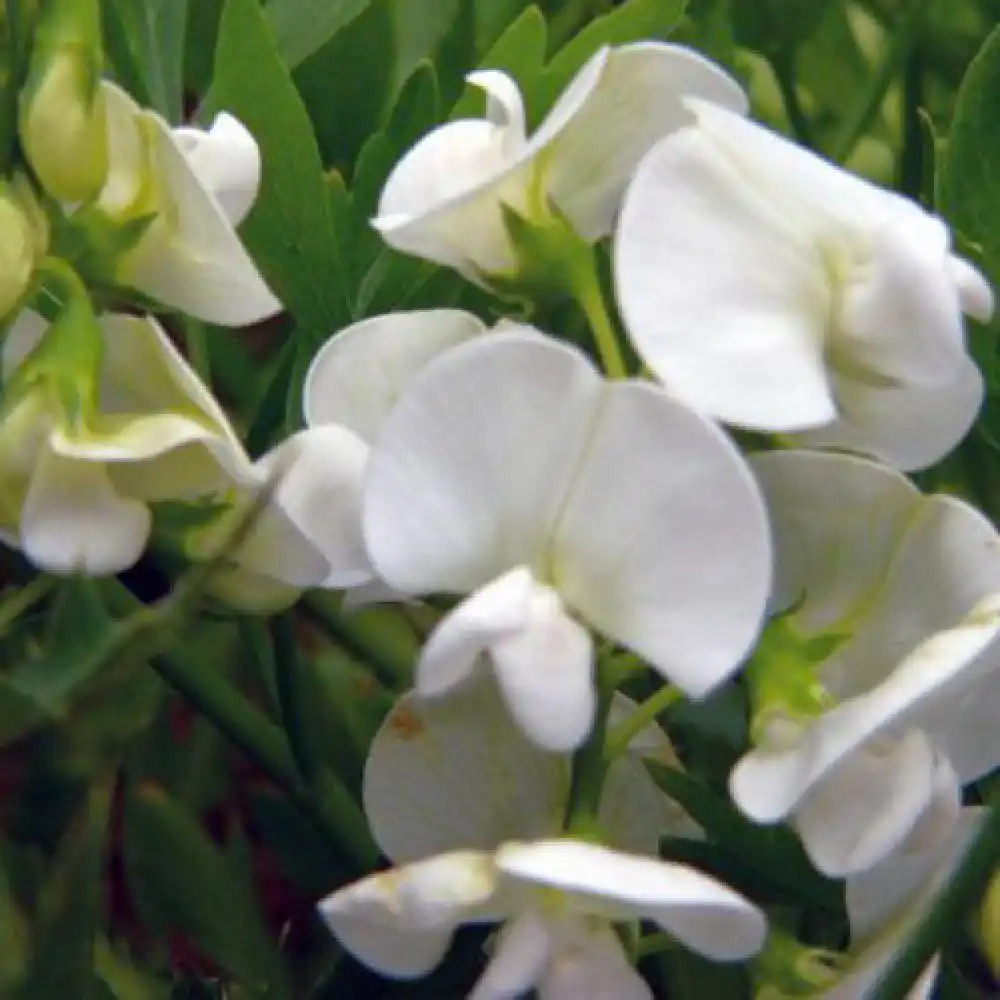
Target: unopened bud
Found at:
x=17, y=249
x=63, y=119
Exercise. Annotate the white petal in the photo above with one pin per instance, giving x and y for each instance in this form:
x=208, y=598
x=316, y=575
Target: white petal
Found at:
x=473, y=464
x=546, y=673
x=837, y=521
x=591, y=965
x=143, y=371
x=457, y=772
x=319, y=481
x=504, y=106
x=899, y=314
x=725, y=299
x=945, y=576
x=401, y=922
x=700, y=912
x=496, y=610
x=191, y=258
x=908, y=426
x=359, y=373
x=767, y=784
x=904, y=883
x=74, y=522
x=866, y=807
x=226, y=160
x=664, y=544
x=442, y=200
x=611, y=122
x=127, y=154
x=974, y=290
x=635, y=814
x=128, y=438
x=522, y=952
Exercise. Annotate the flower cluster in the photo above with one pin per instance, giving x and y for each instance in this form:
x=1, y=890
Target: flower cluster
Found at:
x=578, y=527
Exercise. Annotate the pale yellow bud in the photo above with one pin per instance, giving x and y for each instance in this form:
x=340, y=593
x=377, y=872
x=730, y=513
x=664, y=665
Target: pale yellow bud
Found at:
x=63, y=126
x=17, y=250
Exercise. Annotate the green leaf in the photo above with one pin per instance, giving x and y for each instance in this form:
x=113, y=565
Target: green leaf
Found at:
x=631, y=21
x=79, y=622
x=302, y=27
x=71, y=908
x=349, y=83
x=775, y=27
x=14, y=936
x=290, y=231
x=969, y=187
x=180, y=881
x=154, y=33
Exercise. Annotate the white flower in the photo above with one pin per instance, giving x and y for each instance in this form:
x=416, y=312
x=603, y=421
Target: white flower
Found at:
x=76, y=487
x=510, y=469
x=767, y=287
x=444, y=199
x=876, y=693
x=456, y=778
x=196, y=187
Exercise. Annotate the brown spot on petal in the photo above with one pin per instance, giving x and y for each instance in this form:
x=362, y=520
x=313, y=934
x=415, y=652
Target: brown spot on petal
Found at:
x=405, y=723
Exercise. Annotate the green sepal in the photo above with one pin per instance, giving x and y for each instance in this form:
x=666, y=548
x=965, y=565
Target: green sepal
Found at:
x=782, y=677
x=787, y=969
x=95, y=243
x=66, y=363
x=553, y=262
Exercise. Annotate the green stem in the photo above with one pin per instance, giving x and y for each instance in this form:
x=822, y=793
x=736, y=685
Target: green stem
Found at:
x=196, y=342
x=590, y=298
x=950, y=907
x=783, y=66
x=895, y=50
x=292, y=684
x=12, y=606
x=590, y=764
x=622, y=735
x=390, y=669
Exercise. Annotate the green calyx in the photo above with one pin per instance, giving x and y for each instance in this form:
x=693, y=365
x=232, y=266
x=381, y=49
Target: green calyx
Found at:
x=66, y=363
x=787, y=969
x=783, y=682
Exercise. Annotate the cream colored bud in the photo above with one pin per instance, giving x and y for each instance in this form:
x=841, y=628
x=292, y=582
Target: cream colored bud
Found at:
x=63, y=125
x=17, y=250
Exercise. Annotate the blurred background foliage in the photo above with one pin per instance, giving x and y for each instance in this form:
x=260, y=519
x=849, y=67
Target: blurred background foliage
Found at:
x=143, y=856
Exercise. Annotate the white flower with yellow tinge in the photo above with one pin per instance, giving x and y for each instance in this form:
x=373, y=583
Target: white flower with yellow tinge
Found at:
x=874, y=693
x=105, y=419
x=185, y=190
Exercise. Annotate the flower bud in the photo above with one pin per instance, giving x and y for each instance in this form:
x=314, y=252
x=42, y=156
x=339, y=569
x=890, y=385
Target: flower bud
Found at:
x=18, y=243
x=63, y=120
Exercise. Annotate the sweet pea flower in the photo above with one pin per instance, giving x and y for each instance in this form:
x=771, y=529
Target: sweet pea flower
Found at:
x=190, y=189
x=457, y=778
x=769, y=288
x=76, y=487
x=512, y=471
x=875, y=691
x=445, y=199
